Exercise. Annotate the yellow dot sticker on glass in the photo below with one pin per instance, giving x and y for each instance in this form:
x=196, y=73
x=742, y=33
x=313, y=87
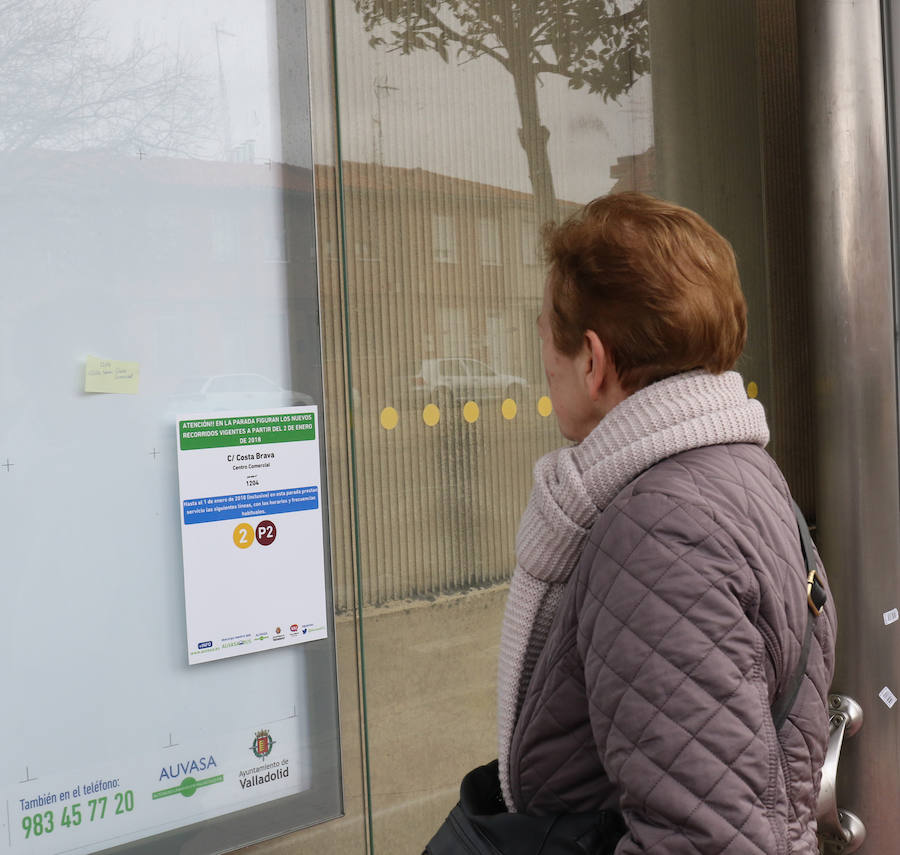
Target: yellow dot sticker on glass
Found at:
x=545, y=406
x=509, y=409
x=470, y=412
x=431, y=415
x=389, y=418
x=243, y=535
x=752, y=390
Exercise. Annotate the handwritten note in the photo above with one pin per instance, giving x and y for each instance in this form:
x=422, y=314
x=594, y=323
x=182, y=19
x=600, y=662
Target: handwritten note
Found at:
x=111, y=376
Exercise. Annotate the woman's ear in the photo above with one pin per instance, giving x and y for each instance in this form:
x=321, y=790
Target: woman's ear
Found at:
x=596, y=364
x=600, y=376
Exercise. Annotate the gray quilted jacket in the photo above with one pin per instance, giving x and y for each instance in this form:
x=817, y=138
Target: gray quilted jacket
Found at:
x=682, y=620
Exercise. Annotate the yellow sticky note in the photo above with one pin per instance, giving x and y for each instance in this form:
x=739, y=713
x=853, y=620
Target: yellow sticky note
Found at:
x=111, y=375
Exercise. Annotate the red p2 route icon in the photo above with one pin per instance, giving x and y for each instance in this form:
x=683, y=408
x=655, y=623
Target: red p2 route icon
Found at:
x=265, y=533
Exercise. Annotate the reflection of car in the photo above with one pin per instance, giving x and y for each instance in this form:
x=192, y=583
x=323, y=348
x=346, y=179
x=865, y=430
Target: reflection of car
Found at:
x=235, y=392
x=458, y=377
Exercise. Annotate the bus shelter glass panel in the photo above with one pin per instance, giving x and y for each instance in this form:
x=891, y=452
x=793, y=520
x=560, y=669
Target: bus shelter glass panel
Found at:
x=157, y=262
x=460, y=134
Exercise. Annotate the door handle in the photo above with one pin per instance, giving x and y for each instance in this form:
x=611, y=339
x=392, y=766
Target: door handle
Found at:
x=840, y=830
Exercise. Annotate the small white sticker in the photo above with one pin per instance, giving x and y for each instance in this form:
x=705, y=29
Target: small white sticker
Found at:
x=891, y=617
x=888, y=697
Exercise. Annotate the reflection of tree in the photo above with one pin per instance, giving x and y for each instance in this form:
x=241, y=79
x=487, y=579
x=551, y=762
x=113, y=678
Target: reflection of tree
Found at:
x=63, y=87
x=593, y=43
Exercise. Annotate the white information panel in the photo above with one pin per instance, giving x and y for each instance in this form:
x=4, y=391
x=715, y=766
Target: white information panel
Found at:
x=251, y=529
x=158, y=260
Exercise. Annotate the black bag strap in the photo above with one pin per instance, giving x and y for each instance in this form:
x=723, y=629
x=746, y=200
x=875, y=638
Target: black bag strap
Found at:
x=816, y=598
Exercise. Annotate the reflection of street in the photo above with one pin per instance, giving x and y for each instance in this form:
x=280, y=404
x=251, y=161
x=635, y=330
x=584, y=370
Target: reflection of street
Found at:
x=442, y=503
x=460, y=378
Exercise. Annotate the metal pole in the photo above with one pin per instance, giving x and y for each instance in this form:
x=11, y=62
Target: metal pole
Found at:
x=857, y=505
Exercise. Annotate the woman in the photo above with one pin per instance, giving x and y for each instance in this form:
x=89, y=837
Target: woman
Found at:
x=659, y=603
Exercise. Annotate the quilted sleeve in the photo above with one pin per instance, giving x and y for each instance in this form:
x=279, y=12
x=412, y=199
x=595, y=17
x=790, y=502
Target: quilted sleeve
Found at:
x=675, y=682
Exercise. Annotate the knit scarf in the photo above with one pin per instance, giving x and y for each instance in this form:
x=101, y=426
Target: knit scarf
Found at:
x=573, y=485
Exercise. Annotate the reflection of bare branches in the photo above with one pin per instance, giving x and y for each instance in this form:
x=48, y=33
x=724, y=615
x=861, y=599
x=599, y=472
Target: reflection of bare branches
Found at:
x=63, y=87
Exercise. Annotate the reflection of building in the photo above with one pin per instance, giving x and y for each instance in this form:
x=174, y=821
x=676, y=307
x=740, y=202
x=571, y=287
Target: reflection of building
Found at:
x=435, y=267
x=460, y=261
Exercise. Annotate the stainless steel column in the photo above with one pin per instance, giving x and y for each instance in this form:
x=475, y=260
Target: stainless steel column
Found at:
x=857, y=505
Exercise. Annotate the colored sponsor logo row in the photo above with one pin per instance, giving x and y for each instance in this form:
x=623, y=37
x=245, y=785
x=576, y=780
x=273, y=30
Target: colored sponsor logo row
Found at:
x=294, y=630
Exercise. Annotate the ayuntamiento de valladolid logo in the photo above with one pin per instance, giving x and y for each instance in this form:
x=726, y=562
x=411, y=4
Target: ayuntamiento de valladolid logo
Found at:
x=262, y=746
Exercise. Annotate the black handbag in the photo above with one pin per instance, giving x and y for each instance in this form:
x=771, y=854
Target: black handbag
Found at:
x=480, y=825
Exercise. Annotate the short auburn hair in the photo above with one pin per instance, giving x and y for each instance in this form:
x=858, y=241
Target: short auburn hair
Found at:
x=653, y=280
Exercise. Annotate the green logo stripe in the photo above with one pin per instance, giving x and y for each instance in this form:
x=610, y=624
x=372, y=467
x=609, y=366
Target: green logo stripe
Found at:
x=188, y=787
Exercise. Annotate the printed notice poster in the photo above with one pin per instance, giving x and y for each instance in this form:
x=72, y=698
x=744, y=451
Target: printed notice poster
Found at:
x=251, y=528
